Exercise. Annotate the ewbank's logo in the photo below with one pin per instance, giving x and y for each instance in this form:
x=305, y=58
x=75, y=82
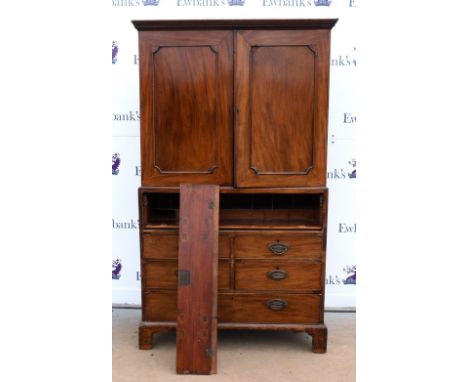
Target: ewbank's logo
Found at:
x=287, y=3
x=115, y=164
x=346, y=59
x=350, y=275
x=209, y=3
x=134, y=3
x=352, y=174
x=116, y=268
x=322, y=3
x=349, y=278
x=115, y=50
x=346, y=228
x=341, y=173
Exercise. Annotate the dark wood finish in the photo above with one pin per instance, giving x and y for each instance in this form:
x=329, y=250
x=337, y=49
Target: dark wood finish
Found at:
x=246, y=256
x=253, y=308
x=154, y=25
x=241, y=325
x=147, y=329
x=244, y=307
x=260, y=245
x=277, y=275
x=258, y=219
x=233, y=190
x=324, y=234
x=197, y=324
x=160, y=245
x=242, y=104
x=164, y=244
x=281, y=98
x=145, y=335
x=163, y=274
x=319, y=339
x=224, y=245
x=257, y=224
x=255, y=211
x=160, y=305
x=186, y=93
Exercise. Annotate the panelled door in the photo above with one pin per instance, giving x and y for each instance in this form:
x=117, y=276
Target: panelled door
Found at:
x=281, y=106
x=186, y=80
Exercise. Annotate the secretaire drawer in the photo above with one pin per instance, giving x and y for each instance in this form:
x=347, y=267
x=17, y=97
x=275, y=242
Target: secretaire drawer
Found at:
x=278, y=275
x=270, y=308
x=278, y=244
x=165, y=245
x=163, y=274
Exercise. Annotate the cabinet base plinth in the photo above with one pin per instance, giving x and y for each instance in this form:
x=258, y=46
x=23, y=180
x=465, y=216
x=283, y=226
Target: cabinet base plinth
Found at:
x=319, y=332
x=145, y=334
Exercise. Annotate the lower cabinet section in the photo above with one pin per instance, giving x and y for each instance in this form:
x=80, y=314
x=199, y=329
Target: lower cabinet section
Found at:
x=271, y=269
x=281, y=308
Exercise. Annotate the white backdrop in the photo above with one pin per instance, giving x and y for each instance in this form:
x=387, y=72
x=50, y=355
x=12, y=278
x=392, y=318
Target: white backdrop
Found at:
x=341, y=254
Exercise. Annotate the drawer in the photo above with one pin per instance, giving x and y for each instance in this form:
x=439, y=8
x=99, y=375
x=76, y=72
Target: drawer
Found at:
x=160, y=245
x=278, y=275
x=280, y=308
x=277, y=245
x=159, y=306
x=163, y=274
x=270, y=308
x=165, y=245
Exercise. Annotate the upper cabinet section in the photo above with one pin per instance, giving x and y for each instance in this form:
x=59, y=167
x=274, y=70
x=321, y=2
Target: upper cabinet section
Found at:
x=186, y=115
x=234, y=102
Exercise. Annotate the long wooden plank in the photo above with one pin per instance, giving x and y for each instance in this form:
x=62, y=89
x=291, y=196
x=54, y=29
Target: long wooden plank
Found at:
x=197, y=323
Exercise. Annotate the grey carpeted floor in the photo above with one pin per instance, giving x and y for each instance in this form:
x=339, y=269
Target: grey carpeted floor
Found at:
x=243, y=355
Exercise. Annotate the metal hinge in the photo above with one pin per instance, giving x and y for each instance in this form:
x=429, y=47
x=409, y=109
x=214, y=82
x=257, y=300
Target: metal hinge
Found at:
x=183, y=277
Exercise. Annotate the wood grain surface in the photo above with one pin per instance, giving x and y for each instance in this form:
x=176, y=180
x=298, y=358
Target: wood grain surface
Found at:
x=281, y=97
x=197, y=323
x=185, y=100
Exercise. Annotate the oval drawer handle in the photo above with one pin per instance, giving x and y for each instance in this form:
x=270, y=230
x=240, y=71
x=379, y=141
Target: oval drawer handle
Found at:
x=277, y=274
x=278, y=248
x=277, y=304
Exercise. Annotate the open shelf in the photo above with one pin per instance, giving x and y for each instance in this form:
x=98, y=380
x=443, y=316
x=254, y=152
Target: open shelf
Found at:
x=244, y=211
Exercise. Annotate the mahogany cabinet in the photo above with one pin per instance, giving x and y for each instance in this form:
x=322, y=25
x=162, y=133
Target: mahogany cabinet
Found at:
x=242, y=104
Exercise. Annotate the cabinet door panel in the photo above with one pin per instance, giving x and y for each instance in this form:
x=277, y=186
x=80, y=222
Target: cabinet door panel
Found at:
x=282, y=107
x=186, y=93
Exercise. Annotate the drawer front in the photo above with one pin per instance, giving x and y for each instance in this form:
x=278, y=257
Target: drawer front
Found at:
x=159, y=306
x=224, y=246
x=165, y=245
x=278, y=275
x=280, y=245
x=272, y=308
x=163, y=274
x=243, y=308
x=160, y=245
